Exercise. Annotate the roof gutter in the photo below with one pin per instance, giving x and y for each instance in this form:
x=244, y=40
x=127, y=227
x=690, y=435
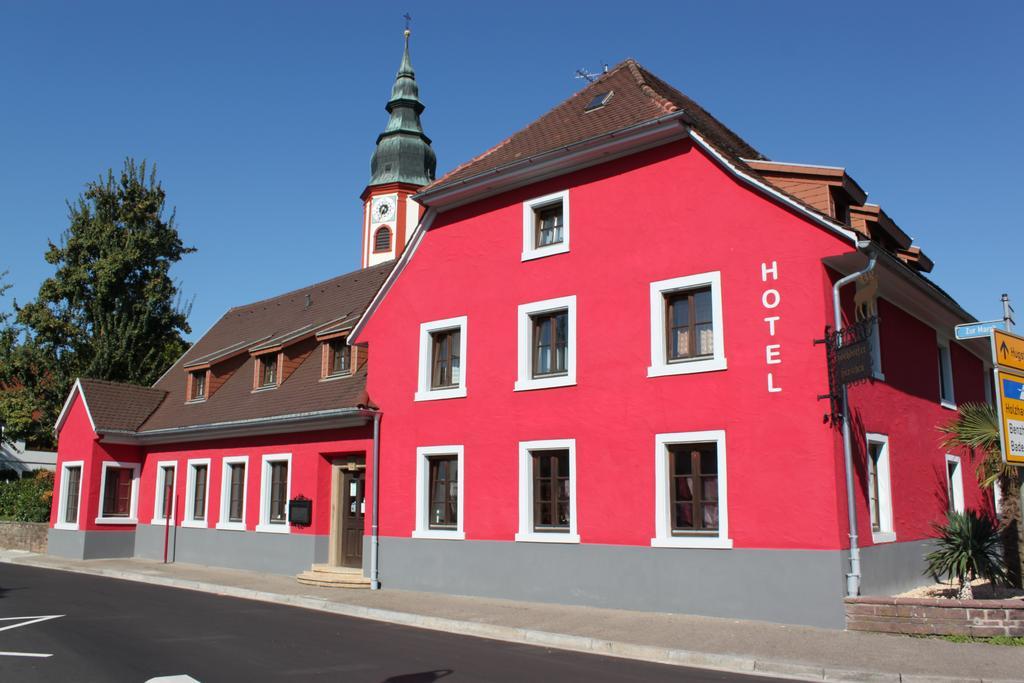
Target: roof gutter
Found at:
x=296, y=422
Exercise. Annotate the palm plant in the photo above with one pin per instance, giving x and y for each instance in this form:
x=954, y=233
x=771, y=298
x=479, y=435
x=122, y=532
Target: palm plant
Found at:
x=976, y=428
x=968, y=547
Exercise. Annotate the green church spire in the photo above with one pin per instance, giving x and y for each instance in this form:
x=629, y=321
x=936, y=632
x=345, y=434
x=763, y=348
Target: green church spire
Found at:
x=403, y=153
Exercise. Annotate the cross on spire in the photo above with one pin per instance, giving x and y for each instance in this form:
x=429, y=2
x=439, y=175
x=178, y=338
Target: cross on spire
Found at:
x=408, y=21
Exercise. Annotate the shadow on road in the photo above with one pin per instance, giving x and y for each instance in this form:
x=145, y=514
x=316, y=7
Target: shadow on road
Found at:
x=422, y=677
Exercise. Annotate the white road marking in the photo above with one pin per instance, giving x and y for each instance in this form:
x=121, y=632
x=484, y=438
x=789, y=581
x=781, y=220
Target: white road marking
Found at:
x=179, y=678
x=26, y=621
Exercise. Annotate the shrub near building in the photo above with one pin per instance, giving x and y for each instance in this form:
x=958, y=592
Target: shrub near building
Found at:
x=27, y=500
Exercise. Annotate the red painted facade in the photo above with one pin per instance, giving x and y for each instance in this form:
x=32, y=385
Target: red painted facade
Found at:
x=664, y=213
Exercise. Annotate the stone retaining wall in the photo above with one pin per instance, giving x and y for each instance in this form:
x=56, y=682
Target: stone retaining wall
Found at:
x=933, y=616
x=29, y=536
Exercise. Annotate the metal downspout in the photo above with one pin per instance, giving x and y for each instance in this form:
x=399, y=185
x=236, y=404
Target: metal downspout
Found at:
x=853, y=578
x=374, y=579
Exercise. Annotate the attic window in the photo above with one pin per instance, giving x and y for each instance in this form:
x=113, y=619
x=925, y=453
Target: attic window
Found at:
x=599, y=101
x=197, y=390
x=266, y=371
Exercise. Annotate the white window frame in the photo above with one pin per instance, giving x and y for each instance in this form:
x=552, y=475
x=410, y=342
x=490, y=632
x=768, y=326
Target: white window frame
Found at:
x=225, y=493
x=426, y=366
x=660, y=366
x=526, y=534
x=997, y=498
x=422, y=528
x=158, y=518
x=63, y=501
x=190, y=492
x=883, y=472
x=526, y=381
x=957, y=485
x=264, y=525
x=530, y=249
x=133, y=513
x=946, y=370
x=663, y=537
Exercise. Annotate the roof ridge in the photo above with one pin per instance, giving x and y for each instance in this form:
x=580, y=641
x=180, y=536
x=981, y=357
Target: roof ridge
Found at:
x=606, y=75
x=111, y=382
x=638, y=71
x=387, y=265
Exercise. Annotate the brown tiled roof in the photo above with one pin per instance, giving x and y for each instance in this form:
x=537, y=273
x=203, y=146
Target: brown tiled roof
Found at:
x=125, y=407
x=638, y=96
x=301, y=392
x=119, y=407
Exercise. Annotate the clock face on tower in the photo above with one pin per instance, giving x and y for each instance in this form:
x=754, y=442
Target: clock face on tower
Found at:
x=383, y=209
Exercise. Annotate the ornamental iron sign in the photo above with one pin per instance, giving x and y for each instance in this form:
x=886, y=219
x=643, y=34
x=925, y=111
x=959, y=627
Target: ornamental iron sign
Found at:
x=850, y=360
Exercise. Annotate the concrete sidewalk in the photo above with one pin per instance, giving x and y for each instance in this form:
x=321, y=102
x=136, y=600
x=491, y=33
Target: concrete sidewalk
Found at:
x=796, y=652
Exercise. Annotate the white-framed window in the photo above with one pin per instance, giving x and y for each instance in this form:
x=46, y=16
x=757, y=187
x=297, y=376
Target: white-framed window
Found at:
x=442, y=362
x=439, y=485
x=165, y=492
x=547, y=491
x=197, y=494
x=547, y=344
x=70, y=503
x=275, y=490
x=691, y=492
x=546, y=226
x=233, y=485
x=687, y=333
x=119, y=493
x=879, y=489
x=954, y=483
x=946, y=396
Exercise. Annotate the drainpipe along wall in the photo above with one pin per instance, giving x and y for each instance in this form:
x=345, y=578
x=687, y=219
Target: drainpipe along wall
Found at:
x=374, y=579
x=853, y=578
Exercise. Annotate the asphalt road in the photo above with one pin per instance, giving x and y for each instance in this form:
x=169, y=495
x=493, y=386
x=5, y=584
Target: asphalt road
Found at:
x=112, y=630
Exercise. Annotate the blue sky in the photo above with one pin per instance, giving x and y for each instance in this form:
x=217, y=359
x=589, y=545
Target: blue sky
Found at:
x=262, y=116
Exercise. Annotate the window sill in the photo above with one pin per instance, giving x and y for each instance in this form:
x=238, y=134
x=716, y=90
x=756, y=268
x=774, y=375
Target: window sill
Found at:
x=274, y=528
x=440, y=534
x=195, y=400
x=553, y=537
x=162, y=522
x=340, y=375
x=883, y=537
x=261, y=389
x=65, y=526
x=117, y=520
x=691, y=542
x=193, y=524
x=441, y=394
x=686, y=367
x=231, y=526
x=541, y=252
x=948, y=405
x=532, y=383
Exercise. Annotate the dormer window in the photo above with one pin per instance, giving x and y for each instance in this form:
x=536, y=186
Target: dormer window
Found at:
x=339, y=357
x=197, y=385
x=546, y=226
x=266, y=371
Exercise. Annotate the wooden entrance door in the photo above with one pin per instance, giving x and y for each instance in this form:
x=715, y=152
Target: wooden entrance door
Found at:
x=352, y=509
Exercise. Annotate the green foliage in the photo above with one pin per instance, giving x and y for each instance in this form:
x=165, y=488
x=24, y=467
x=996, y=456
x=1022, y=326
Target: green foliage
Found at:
x=969, y=546
x=110, y=311
x=27, y=500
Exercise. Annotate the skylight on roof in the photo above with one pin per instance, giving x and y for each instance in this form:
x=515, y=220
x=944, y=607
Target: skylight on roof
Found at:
x=599, y=101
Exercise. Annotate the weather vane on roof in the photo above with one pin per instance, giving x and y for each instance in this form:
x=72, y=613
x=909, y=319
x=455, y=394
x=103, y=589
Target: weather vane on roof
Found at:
x=408, y=20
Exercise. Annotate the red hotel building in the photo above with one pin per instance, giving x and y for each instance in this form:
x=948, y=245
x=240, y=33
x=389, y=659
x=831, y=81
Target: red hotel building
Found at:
x=593, y=373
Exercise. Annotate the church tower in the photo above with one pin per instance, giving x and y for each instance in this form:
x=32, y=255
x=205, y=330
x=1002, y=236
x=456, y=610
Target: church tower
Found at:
x=402, y=163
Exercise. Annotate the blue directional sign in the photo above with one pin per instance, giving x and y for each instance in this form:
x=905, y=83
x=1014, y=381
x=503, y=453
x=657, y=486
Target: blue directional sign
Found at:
x=976, y=330
x=1013, y=389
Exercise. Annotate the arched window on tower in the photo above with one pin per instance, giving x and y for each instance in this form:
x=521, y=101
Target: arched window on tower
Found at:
x=382, y=239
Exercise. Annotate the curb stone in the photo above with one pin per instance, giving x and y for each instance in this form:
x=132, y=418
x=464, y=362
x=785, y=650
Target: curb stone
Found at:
x=773, y=668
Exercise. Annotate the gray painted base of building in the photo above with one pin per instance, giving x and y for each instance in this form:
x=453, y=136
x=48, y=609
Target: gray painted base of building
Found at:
x=784, y=586
x=286, y=554
x=90, y=545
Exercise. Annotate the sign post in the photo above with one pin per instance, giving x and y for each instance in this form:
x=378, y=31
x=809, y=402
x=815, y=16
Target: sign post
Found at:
x=1008, y=357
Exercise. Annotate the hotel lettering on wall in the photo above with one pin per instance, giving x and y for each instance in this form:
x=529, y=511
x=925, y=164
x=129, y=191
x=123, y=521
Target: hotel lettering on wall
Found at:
x=770, y=299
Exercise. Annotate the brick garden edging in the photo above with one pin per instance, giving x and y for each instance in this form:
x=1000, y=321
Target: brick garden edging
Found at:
x=934, y=616
x=29, y=536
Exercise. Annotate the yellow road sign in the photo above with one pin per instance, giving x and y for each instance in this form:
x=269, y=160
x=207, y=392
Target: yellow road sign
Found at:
x=1008, y=350
x=1010, y=400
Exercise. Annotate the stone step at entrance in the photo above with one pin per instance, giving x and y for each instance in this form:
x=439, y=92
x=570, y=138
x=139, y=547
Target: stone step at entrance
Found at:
x=330, y=576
